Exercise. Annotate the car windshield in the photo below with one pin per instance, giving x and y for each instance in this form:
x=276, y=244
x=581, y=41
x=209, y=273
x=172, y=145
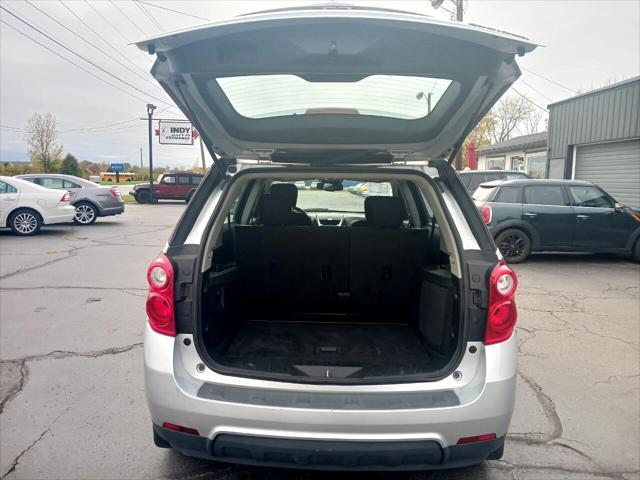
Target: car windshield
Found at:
x=347, y=196
x=482, y=194
x=264, y=96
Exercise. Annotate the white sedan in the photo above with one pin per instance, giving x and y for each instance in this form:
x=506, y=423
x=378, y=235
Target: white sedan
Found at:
x=25, y=206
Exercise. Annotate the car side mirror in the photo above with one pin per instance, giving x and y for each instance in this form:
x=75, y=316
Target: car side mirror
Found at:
x=619, y=207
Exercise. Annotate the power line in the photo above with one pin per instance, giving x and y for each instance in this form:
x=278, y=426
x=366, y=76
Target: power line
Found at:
x=128, y=18
x=530, y=101
x=149, y=16
x=101, y=37
x=174, y=11
x=535, y=90
x=548, y=79
x=17, y=129
x=72, y=62
x=92, y=44
x=82, y=57
x=126, y=39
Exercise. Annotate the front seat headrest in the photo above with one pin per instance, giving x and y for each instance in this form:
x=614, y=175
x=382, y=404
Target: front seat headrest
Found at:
x=387, y=212
x=274, y=210
x=287, y=190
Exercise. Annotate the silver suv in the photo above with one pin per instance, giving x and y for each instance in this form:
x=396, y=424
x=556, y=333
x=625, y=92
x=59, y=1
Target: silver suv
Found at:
x=294, y=322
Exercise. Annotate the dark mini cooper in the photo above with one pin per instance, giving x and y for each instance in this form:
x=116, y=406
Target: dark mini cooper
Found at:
x=527, y=216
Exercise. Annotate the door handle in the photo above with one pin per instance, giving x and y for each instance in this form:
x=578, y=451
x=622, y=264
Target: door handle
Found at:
x=11, y=198
x=532, y=215
x=583, y=217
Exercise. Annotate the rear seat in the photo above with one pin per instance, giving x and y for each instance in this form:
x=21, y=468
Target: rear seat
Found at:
x=328, y=267
x=385, y=257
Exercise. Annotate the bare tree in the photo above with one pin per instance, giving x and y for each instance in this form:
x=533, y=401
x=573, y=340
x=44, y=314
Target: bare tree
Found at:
x=531, y=124
x=509, y=114
x=41, y=136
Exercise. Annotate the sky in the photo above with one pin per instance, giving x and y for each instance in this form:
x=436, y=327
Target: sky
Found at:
x=586, y=44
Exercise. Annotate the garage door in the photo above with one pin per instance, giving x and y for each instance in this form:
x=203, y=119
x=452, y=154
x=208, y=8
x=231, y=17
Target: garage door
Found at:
x=614, y=166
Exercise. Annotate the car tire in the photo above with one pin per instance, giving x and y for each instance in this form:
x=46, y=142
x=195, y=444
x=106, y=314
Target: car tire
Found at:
x=86, y=213
x=25, y=222
x=635, y=253
x=514, y=244
x=143, y=196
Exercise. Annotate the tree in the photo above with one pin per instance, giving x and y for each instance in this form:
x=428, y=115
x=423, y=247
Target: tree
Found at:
x=509, y=114
x=481, y=135
x=41, y=136
x=70, y=166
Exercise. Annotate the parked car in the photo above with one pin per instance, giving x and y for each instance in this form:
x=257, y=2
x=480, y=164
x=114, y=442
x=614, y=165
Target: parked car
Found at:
x=473, y=178
x=527, y=216
x=89, y=199
x=168, y=186
x=25, y=207
x=386, y=342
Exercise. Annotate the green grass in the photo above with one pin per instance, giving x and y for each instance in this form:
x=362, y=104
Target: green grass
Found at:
x=129, y=182
x=128, y=198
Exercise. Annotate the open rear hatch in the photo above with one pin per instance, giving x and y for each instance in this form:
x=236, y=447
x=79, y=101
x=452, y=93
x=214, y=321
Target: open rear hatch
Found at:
x=339, y=85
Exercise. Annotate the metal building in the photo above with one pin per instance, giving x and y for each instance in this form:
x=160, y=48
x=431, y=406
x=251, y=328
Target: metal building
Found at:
x=596, y=136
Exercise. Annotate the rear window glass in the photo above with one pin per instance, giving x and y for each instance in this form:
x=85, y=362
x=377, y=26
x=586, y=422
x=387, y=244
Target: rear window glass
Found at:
x=348, y=196
x=544, y=195
x=264, y=96
x=483, y=194
x=508, y=195
x=184, y=180
x=515, y=176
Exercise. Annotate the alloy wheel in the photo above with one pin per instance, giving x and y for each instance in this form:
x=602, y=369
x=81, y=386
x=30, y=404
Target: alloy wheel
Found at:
x=513, y=246
x=85, y=214
x=25, y=223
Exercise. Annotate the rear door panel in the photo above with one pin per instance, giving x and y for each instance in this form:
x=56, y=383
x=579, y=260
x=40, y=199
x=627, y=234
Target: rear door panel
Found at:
x=553, y=222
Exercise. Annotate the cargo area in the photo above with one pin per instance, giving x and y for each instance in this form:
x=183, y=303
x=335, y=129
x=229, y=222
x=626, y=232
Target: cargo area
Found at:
x=369, y=299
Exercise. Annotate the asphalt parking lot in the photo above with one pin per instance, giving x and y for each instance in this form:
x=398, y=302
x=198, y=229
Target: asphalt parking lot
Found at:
x=72, y=395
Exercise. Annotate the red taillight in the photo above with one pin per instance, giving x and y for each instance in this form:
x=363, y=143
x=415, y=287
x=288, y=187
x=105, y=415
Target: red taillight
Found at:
x=160, y=309
x=114, y=192
x=487, y=214
x=180, y=428
x=502, y=313
x=477, y=438
x=65, y=197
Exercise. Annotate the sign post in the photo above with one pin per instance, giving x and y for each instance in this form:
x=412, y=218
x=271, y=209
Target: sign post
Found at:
x=117, y=168
x=150, y=109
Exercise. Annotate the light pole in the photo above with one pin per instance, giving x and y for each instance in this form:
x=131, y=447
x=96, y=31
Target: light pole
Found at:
x=150, y=109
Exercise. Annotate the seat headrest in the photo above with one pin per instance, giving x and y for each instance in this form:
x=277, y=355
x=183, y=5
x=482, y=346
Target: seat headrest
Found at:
x=287, y=190
x=273, y=210
x=388, y=212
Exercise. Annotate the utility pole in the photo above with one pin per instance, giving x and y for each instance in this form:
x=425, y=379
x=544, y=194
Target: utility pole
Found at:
x=141, y=164
x=459, y=17
x=150, y=109
x=459, y=10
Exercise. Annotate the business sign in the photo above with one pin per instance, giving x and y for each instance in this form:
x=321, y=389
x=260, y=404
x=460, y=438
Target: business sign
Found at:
x=117, y=167
x=175, y=133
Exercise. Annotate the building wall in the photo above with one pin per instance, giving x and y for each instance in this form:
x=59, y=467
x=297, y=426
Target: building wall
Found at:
x=610, y=114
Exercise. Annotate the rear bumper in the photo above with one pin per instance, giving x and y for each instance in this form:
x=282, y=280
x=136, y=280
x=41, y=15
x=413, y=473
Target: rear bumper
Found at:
x=62, y=215
x=105, y=212
x=236, y=429
x=330, y=454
